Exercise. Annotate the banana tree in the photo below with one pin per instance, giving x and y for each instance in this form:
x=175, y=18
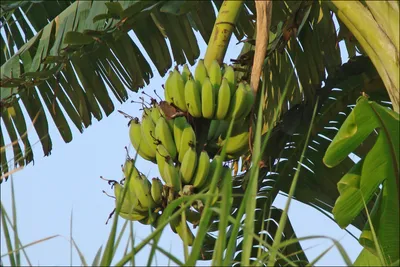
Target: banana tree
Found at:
x=73, y=55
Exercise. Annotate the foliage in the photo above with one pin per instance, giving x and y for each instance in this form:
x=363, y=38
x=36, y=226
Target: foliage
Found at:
x=380, y=167
x=69, y=62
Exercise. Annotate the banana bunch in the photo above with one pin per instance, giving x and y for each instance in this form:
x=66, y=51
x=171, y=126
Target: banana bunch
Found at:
x=211, y=93
x=184, y=135
x=139, y=198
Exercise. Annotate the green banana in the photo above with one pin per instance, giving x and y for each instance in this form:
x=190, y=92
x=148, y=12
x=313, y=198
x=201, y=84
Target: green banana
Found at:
x=172, y=174
x=250, y=98
x=203, y=168
x=212, y=130
x=237, y=143
x=182, y=230
x=214, y=73
x=148, y=129
x=188, y=166
x=193, y=98
x=130, y=200
x=200, y=73
x=134, y=215
x=238, y=103
x=142, y=188
x=213, y=166
x=186, y=74
x=168, y=88
x=156, y=190
x=208, y=99
x=180, y=123
x=164, y=135
x=161, y=156
x=130, y=169
x=188, y=140
x=224, y=97
x=155, y=113
x=177, y=92
x=229, y=75
x=138, y=141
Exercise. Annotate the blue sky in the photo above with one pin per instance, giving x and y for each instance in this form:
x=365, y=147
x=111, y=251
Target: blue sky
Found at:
x=68, y=182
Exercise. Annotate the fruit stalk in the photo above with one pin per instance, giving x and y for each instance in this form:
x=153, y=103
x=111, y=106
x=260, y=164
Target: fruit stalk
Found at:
x=222, y=31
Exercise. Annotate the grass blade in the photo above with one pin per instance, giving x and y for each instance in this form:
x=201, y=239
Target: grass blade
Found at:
x=252, y=188
x=14, y=213
x=7, y=237
x=96, y=259
x=81, y=256
x=282, y=221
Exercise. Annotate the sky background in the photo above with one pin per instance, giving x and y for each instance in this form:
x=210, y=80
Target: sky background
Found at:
x=67, y=182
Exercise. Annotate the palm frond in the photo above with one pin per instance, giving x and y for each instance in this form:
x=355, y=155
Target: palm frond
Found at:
x=68, y=56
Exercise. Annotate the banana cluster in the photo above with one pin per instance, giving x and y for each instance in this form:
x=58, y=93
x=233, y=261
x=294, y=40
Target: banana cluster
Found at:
x=142, y=197
x=212, y=93
x=184, y=135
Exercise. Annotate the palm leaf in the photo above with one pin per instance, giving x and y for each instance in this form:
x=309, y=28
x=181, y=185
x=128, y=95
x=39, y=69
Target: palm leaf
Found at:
x=70, y=55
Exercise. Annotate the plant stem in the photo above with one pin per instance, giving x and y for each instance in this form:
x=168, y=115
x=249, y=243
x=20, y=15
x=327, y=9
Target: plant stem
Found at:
x=222, y=32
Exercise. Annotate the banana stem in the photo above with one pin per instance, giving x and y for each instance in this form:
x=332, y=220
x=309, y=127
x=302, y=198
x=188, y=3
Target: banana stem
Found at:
x=222, y=31
x=375, y=36
x=264, y=10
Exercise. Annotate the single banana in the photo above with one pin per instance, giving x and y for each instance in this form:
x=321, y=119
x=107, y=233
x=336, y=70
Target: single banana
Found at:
x=169, y=121
x=138, y=141
x=134, y=215
x=229, y=75
x=193, y=98
x=156, y=190
x=180, y=123
x=168, y=88
x=130, y=169
x=214, y=72
x=188, y=140
x=182, y=230
x=224, y=97
x=161, y=156
x=164, y=135
x=203, y=168
x=213, y=128
x=237, y=143
x=238, y=103
x=186, y=74
x=172, y=174
x=250, y=98
x=208, y=99
x=200, y=73
x=177, y=92
x=188, y=166
x=213, y=166
x=148, y=130
x=155, y=113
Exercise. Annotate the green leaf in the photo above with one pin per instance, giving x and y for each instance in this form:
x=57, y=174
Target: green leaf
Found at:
x=77, y=38
x=366, y=258
x=114, y=8
x=379, y=167
x=177, y=7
